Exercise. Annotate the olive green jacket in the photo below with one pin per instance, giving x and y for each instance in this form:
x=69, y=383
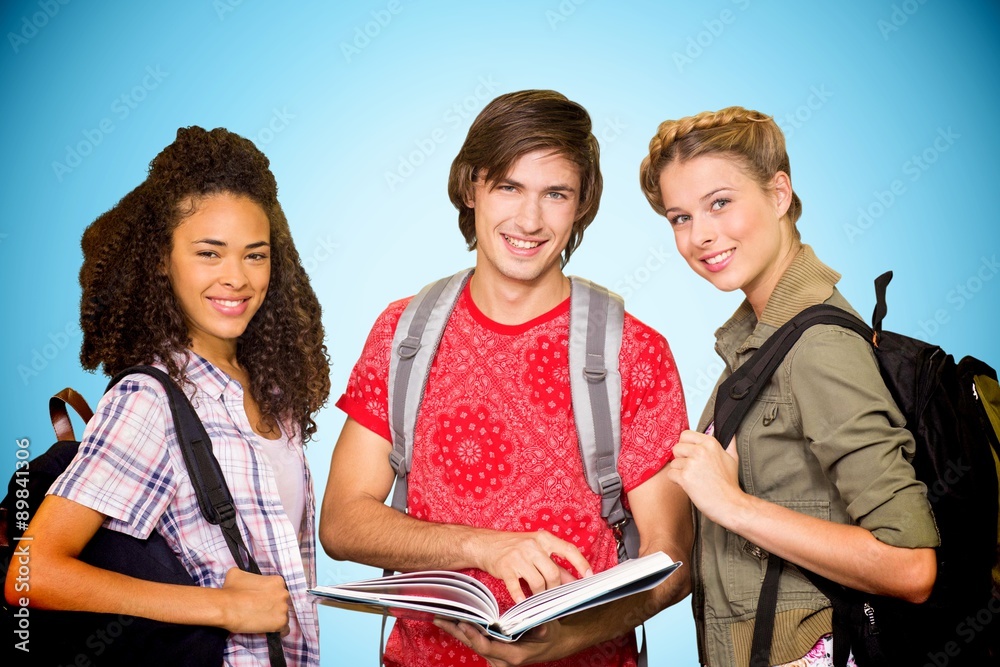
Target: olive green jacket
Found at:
x=824, y=438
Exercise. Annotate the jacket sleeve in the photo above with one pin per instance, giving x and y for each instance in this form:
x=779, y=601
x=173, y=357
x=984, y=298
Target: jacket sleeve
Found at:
x=855, y=430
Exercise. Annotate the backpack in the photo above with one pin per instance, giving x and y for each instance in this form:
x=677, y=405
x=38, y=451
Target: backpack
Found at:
x=596, y=321
x=953, y=412
x=43, y=637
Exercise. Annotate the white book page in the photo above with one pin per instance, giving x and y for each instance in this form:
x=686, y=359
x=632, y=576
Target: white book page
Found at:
x=424, y=595
x=420, y=590
x=644, y=573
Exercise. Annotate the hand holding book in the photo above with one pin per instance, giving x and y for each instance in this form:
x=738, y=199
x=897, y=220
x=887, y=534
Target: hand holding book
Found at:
x=428, y=594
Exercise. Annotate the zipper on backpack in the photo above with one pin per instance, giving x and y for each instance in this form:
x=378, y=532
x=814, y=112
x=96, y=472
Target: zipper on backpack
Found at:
x=869, y=612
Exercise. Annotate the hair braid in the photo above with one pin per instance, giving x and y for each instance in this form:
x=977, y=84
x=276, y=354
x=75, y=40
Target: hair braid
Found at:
x=749, y=136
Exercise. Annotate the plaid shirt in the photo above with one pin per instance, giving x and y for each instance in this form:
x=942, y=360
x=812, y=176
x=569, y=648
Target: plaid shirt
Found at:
x=129, y=467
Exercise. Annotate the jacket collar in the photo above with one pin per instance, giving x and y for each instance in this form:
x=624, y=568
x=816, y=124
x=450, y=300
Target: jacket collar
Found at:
x=806, y=282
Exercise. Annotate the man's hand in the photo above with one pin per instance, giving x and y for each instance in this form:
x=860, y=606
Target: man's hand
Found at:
x=540, y=644
x=516, y=557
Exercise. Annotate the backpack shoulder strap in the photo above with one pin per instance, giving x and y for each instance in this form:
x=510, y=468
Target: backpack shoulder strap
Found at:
x=414, y=345
x=214, y=498
x=60, y=416
x=596, y=323
x=733, y=400
x=596, y=320
x=210, y=486
x=737, y=393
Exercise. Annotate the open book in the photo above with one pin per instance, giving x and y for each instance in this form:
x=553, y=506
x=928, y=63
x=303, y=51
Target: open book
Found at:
x=424, y=595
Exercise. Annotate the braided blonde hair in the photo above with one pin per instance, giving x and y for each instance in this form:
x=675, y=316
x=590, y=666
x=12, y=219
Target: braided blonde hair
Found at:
x=750, y=137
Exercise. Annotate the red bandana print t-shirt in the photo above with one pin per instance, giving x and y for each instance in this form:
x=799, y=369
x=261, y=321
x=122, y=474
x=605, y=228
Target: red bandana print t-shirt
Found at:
x=495, y=445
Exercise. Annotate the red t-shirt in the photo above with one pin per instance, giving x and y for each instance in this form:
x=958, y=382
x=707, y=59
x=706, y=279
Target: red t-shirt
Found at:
x=495, y=445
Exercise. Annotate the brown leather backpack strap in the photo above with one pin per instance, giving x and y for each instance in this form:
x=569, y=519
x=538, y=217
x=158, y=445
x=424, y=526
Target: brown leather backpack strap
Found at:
x=60, y=417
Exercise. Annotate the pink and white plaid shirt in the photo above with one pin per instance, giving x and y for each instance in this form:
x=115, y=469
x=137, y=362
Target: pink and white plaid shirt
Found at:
x=129, y=467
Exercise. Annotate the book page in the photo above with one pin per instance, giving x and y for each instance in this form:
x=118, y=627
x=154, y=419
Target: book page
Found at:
x=423, y=595
x=632, y=576
x=447, y=593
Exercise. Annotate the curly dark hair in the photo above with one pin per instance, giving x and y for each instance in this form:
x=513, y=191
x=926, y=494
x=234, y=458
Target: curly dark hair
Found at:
x=129, y=314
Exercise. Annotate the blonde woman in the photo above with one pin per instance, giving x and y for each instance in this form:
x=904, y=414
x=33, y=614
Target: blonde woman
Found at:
x=818, y=473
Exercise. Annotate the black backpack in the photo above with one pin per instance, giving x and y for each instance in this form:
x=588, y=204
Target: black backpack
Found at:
x=953, y=412
x=41, y=637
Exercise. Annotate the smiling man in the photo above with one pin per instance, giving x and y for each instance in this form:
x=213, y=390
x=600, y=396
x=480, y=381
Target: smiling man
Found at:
x=497, y=487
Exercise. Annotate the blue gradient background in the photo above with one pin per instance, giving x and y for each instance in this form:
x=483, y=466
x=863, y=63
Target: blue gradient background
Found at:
x=884, y=81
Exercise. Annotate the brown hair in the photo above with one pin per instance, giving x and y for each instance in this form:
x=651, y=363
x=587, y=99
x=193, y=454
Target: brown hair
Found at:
x=750, y=137
x=518, y=123
x=129, y=314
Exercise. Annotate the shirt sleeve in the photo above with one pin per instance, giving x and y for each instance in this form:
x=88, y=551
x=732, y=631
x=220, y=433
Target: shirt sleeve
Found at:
x=366, y=398
x=653, y=409
x=122, y=468
x=856, y=432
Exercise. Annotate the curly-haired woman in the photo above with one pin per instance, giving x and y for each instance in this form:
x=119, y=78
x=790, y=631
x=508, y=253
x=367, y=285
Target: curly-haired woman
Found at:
x=195, y=271
x=823, y=455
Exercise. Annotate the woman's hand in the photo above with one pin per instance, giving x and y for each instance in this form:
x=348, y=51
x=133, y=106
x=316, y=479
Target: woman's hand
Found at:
x=708, y=474
x=849, y=555
x=256, y=603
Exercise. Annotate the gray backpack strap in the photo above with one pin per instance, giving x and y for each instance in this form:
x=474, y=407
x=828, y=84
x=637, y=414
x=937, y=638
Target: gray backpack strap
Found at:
x=414, y=345
x=596, y=323
x=597, y=317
